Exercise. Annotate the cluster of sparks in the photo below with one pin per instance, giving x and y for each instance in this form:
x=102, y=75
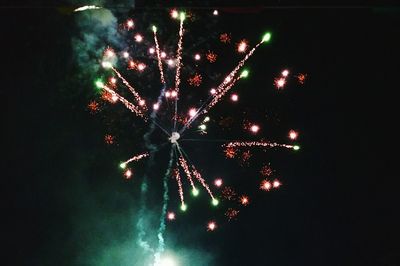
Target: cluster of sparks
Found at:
x=148, y=112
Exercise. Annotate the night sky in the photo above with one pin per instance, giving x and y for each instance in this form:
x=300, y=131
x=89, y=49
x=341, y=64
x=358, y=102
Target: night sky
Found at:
x=65, y=202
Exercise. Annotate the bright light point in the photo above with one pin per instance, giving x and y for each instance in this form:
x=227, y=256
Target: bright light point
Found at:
x=266, y=37
x=211, y=226
x=213, y=91
x=156, y=106
x=285, y=73
x=192, y=112
x=138, y=38
x=197, y=57
x=106, y=64
x=171, y=216
x=182, y=16
x=202, y=127
x=154, y=28
x=215, y=12
x=265, y=185
x=129, y=23
x=183, y=207
x=293, y=134
x=128, y=174
x=122, y=165
x=254, y=128
x=214, y=202
x=170, y=62
x=141, y=102
x=167, y=94
x=218, y=182
x=174, y=94
x=141, y=66
x=174, y=137
x=195, y=192
x=99, y=84
x=151, y=50
x=244, y=74
x=163, y=54
x=279, y=83
x=110, y=53
x=206, y=119
x=242, y=46
x=234, y=97
x=276, y=184
x=296, y=148
x=113, y=80
x=244, y=200
x=228, y=78
x=125, y=54
x=174, y=13
x=114, y=98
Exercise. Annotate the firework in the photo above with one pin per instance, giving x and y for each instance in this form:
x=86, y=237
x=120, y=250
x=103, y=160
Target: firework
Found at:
x=171, y=216
x=84, y=8
x=211, y=57
x=265, y=185
x=211, y=226
x=231, y=213
x=218, y=182
x=244, y=200
x=225, y=38
x=93, y=107
x=293, y=134
x=195, y=80
x=109, y=139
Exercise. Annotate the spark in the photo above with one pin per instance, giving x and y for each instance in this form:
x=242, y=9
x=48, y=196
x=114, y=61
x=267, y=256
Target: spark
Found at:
x=276, y=183
x=285, y=73
x=211, y=226
x=141, y=66
x=265, y=185
x=218, y=182
x=171, y=62
x=225, y=38
x=234, y=97
x=263, y=144
x=93, y=106
x=84, y=8
x=242, y=46
x=125, y=55
x=128, y=174
x=135, y=158
x=213, y=91
x=151, y=50
x=231, y=213
x=215, y=12
x=174, y=13
x=267, y=37
x=163, y=55
x=138, y=38
x=171, y=216
x=109, y=139
x=211, y=57
x=293, y=134
x=255, y=128
x=244, y=200
x=109, y=53
x=192, y=112
x=197, y=57
x=279, y=82
x=156, y=106
x=130, y=23
x=174, y=94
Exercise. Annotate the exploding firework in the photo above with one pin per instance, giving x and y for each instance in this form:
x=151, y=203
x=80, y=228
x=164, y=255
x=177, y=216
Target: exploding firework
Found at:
x=164, y=113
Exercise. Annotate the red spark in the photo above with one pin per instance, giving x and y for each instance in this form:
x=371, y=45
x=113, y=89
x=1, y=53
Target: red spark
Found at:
x=171, y=216
x=266, y=171
x=211, y=226
x=301, y=78
x=279, y=82
x=230, y=152
x=244, y=200
x=265, y=185
x=293, y=134
x=211, y=57
x=108, y=97
x=109, y=139
x=195, y=80
x=128, y=174
x=93, y=107
x=276, y=183
x=231, y=213
x=225, y=38
x=245, y=157
x=228, y=193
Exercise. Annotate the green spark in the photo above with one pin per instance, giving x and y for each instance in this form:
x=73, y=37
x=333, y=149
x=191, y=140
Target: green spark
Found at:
x=266, y=37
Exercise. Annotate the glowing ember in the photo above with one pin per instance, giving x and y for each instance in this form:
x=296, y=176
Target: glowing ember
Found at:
x=301, y=78
x=174, y=13
x=138, y=38
x=265, y=185
x=128, y=174
x=293, y=134
x=195, y=80
x=171, y=216
x=225, y=38
x=163, y=54
x=254, y=128
x=211, y=226
x=215, y=12
x=244, y=200
x=129, y=24
x=197, y=57
x=168, y=94
x=276, y=183
x=218, y=182
x=266, y=171
x=171, y=62
x=156, y=106
x=279, y=82
x=242, y=46
x=152, y=50
x=108, y=139
x=125, y=54
x=141, y=66
x=234, y=97
x=192, y=112
x=211, y=57
x=285, y=73
x=93, y=107
x=213, y=91
x=231, y=213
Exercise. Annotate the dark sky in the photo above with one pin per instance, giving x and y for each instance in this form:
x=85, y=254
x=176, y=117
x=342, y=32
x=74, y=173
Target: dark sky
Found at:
x=65, y=201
